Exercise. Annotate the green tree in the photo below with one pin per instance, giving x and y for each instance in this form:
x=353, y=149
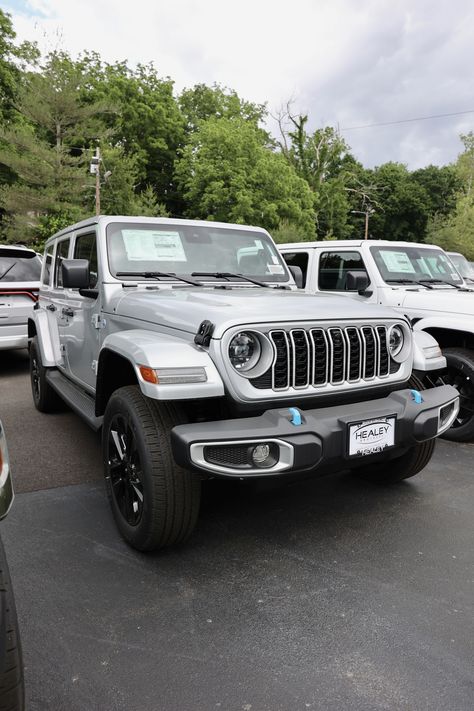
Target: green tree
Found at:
x=145, y=121
x=41, y=150
x=13, y=59
x=227, y=173
x=441, y=185
x=403, y=209
x=203, y=102
x=455, y=231
x=324, y=161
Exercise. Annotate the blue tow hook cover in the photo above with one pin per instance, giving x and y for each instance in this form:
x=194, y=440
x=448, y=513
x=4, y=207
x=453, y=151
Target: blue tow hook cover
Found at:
x=416, y=395
x=295, y=416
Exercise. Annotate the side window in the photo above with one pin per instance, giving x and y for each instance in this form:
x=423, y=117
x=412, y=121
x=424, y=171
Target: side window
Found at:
x=333, y=267
x=47, y=264
x=62, y=251
x=86, y=248
x=298, y=259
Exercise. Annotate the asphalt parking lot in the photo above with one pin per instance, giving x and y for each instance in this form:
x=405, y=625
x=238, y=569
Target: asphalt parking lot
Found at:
x=328, y=594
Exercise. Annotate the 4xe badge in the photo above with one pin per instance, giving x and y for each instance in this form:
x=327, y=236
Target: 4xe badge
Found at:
x=371, y=436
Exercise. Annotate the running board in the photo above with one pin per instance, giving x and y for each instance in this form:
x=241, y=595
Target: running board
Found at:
x=75, y=397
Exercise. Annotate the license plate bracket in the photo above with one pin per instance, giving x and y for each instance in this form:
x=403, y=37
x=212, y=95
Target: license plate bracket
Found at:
x=371, y=436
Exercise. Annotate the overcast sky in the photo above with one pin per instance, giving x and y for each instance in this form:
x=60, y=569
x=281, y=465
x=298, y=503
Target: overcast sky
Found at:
x=346, y=63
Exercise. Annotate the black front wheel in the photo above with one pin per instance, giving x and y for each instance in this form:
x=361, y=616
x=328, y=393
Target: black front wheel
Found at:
x=459, y=374
x=155, y=503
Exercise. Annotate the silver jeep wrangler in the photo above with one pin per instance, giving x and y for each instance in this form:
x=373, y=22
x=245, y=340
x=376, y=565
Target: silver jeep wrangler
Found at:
x=188, y=344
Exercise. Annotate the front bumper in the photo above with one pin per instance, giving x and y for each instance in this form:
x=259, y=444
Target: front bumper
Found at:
x=320, y=442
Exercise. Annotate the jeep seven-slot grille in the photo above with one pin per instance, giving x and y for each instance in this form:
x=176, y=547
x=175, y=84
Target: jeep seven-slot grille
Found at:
x=318, y=357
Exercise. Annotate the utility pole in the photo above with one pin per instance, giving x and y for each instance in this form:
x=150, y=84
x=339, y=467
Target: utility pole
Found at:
x=95, y=170
x=367, y=212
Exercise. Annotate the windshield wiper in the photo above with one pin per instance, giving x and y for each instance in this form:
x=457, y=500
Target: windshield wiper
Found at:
x=7, y=270
x=229, y=275
x=408, y=281
x=158, y=275
x=448, y=283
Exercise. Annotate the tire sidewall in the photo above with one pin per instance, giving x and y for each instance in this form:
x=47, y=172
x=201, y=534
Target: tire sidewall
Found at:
x=136, y=535
x=460, y=362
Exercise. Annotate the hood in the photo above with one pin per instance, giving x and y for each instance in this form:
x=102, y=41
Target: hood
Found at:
x=185, y=309
x=440, y=299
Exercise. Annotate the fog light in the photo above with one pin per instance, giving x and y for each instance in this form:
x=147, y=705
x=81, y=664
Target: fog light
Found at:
x=260, y=453
x=265, y=455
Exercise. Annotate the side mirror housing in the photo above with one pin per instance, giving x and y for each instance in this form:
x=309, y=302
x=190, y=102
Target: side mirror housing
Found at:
x=297, y=274
x=75, y=273
x=357, y=281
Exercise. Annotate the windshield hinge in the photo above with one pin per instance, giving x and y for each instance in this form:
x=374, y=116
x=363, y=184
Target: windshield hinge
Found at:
x=204, y=334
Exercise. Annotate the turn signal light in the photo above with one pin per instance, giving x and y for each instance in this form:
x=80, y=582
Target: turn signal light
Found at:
x=148, y=374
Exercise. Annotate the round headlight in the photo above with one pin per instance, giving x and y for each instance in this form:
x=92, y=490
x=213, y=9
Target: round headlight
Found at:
x=396, y=341
x=244, y=351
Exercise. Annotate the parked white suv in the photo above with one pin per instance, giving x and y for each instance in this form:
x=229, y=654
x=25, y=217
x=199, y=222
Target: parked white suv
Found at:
x=464, y=267
x=20, y=270
x=420, y=281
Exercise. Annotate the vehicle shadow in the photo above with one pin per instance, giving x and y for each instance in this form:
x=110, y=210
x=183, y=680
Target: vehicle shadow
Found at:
x=15, y=362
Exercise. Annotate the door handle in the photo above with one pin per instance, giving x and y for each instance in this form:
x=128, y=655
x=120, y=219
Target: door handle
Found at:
x=51, y=307
x=67, y=312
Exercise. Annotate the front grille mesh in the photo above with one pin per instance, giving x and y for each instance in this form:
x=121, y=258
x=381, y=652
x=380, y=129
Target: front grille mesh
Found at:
x=318, y=357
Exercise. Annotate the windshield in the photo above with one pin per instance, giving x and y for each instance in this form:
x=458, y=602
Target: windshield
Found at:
x=184, y=249
x=20, y=269
x=414, y=264
x=462, y=265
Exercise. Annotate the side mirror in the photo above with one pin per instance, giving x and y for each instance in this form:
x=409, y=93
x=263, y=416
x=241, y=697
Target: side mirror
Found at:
x=75, y=273
x=357, y=281
x=297, y=274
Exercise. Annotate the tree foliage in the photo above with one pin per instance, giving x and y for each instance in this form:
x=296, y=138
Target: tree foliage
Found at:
x=205, y=153
x=226, y=173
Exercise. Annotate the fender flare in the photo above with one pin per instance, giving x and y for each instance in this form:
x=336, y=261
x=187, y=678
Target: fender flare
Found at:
x=50, y=351
x=454, y=324
x=427, y=355
x=159, y=350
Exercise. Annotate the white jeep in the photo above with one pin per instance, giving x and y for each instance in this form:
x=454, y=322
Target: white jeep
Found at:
x=420, y=281
x=189, y=345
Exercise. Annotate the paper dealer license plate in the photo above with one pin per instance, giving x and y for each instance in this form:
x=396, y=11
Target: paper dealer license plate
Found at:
x=371, y=436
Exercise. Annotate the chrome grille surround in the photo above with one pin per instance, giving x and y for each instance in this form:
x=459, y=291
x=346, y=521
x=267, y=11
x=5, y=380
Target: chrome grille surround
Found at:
x=310, y=359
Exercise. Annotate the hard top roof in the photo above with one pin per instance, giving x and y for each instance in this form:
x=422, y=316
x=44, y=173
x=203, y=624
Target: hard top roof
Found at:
x=328, y=244
x=104, y=220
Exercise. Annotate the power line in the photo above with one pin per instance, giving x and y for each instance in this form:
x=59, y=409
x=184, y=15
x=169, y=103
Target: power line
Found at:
x=409, y=120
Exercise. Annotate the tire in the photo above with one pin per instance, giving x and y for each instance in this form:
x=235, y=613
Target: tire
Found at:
x=44, y=397
x=155, y=503
x=404, y=467
x=460, y=374
x=12, y=695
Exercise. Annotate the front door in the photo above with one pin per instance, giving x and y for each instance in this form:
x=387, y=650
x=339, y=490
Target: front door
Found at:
x=80, y=333
x=333, y=266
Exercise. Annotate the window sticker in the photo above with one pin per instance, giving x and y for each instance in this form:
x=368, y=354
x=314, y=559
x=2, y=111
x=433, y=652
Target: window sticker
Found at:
x=258, y=243
x=275, y=269
x=397, y=262
x=155, y=245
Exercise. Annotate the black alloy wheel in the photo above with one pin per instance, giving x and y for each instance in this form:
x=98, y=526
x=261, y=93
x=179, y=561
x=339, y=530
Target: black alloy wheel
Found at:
x=154, y=502
x=125, y=470
x=459, y=374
